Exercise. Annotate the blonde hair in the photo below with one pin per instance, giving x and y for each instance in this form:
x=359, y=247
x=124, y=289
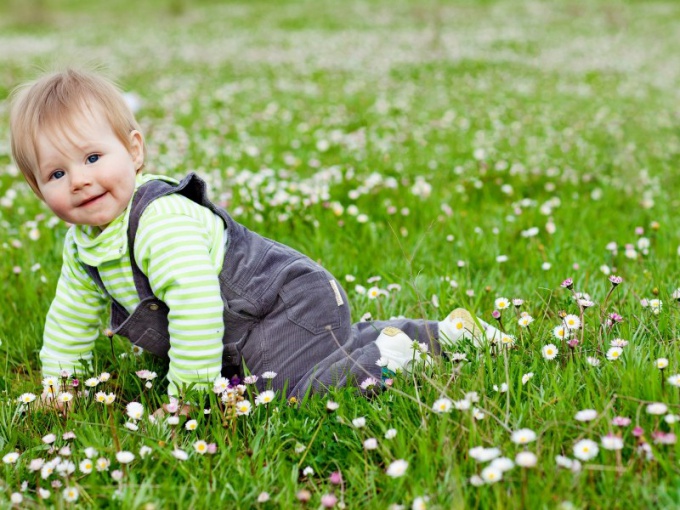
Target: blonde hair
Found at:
x=53, y=102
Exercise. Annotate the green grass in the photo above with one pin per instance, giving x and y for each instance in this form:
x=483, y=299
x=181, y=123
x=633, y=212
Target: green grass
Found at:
x=517, y=114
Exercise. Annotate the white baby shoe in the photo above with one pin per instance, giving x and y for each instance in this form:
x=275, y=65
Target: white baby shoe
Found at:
x=461, y=324
x=396, y=349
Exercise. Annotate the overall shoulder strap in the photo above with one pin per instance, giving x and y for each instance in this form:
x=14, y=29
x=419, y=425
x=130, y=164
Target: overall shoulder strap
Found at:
x=192, y=187
x=93, y=273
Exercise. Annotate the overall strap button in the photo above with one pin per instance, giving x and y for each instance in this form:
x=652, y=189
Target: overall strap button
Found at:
x=153, y=307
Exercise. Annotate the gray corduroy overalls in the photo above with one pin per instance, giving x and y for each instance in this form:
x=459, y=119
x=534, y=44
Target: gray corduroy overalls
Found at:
x=282, y=311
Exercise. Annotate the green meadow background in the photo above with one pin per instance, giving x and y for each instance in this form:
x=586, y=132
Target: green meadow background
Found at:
x=464, y=150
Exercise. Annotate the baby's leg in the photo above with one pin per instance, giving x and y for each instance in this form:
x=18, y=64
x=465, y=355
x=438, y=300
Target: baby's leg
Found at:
x=391, y=344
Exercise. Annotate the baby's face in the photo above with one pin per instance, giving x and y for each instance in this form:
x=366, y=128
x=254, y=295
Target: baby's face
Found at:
x=87, y=176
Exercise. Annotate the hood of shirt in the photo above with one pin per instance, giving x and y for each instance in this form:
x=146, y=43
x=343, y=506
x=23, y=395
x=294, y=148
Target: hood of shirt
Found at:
x=95, y=246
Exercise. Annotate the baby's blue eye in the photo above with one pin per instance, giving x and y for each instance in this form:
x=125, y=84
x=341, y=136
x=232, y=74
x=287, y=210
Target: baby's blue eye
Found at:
x=58, y=174
x=93, y=158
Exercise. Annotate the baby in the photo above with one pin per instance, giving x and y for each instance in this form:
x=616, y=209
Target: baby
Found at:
x=183, y=279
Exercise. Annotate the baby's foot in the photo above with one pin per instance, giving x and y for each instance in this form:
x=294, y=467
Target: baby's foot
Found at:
x=396, y=349
x=457, y=325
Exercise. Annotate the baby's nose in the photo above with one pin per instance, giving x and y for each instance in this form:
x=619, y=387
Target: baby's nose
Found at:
x=80, y=178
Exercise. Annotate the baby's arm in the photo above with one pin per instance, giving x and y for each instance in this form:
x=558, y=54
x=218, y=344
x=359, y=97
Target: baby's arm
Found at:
x=174, y=251
x=74, y=319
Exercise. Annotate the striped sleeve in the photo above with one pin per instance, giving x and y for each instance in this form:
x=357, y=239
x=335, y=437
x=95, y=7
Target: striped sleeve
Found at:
x=175, y=250
x=74, y=319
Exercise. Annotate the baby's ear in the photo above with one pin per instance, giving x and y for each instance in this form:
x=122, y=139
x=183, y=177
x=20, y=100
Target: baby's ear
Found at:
x=137, y=148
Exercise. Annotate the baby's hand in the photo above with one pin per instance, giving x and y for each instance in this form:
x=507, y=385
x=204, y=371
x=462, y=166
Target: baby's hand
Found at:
x=47, y=402
x=172, y=409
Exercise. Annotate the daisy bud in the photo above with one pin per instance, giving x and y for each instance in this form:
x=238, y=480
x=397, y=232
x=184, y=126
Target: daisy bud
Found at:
x=335, y=478
x=328, y=500
x=526, y=459
x=568, y=284
x=615, y=280
x=303, y=496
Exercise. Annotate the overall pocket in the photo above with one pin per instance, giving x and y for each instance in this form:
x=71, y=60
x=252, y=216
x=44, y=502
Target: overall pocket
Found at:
x=154, y=342
x=313, y=302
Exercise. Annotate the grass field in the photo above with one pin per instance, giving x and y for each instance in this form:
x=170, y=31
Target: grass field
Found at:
x=453, y=152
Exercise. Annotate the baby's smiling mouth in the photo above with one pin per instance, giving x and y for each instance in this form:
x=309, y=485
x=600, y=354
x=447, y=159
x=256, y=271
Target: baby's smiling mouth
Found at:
x=91, y=200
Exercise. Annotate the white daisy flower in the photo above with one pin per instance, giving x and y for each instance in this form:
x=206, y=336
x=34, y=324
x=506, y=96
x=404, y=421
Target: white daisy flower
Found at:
x=526, y=459
x=657, y=408
x=586, y=415
x=523, y=436
x=243, y=408
x=560, y=332
x=525, y=320
x=397, y=468
x=491, y=474
x=614, y=353
x=442, y=405
x=10, y=458
x=572, y=321
x=180, y=454
x=462, y=405
x=502, y=303
x=586, y=449
x=371, y=443
x=507, y=340
x=200, y=447
x=593, y=361
x=125, y=457
x=102, y=464
x=70, y=494
x=481, y=454
x=502, y=463
x=135, y=410
x=265, y=397
x=550, y=351
x=674, y=380
x=612, y=442
x=26, y=398
x=86, y=466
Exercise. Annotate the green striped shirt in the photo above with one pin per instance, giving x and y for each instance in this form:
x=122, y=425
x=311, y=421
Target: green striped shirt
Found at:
x=180, y=247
